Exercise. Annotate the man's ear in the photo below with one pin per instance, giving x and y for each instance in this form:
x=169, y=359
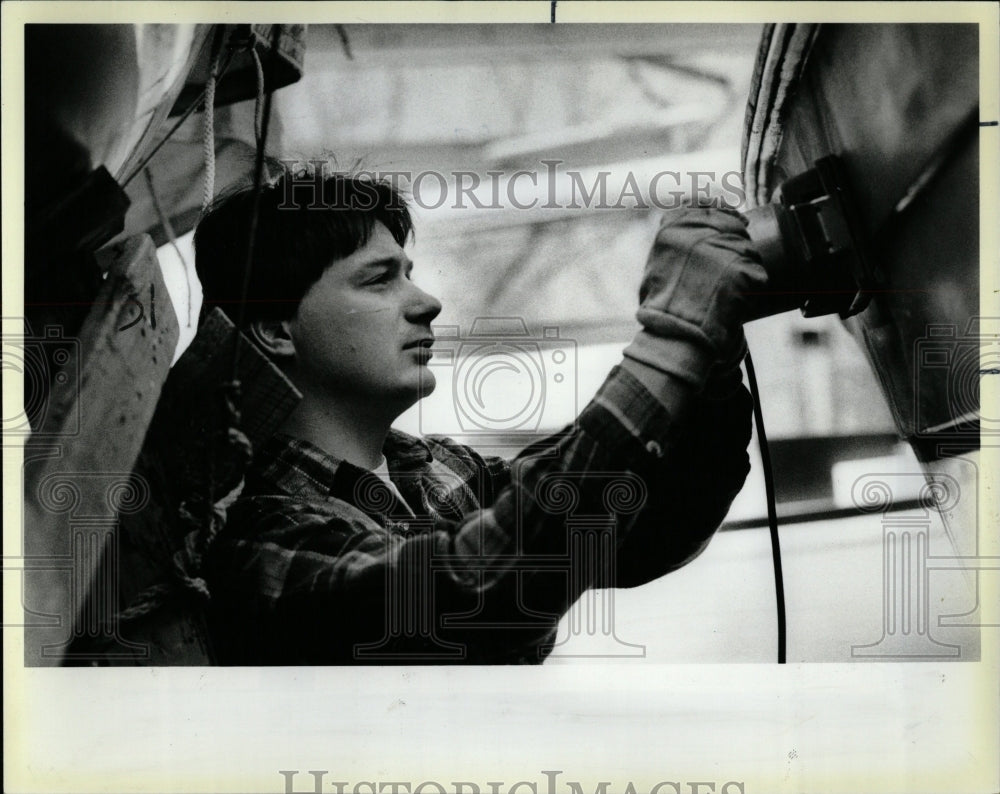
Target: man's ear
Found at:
x=273, y=337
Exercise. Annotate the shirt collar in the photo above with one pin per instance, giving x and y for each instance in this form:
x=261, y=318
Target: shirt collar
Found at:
x=300, y=468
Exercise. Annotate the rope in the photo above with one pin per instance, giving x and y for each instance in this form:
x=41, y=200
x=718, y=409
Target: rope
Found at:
x=185, y=580
x=258, y=180
x=180, y=120
x=205, y=514
x=208, y=141
x=258, y=107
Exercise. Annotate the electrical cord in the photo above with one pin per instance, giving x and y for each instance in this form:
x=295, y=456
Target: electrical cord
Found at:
x=262, y=111
x=772, y=513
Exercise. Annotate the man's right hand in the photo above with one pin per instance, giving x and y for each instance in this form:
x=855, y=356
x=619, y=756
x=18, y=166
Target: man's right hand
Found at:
x=697, y=290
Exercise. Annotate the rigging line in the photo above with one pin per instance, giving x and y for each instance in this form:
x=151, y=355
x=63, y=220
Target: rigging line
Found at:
x=955, y=143
x=192, y=108
x=208, y=139
x=344, y=41
x=258, y=106
x=772, y=513
x=258, y=179
x=168, y=228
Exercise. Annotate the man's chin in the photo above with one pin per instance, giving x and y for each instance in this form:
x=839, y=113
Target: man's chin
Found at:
x=410, y=392
x=426, y=382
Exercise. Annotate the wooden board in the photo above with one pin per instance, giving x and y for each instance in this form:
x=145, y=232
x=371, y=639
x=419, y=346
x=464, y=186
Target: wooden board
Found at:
x=78, y=465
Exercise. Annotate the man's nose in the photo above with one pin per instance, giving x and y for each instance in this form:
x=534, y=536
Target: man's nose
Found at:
x=422, y=307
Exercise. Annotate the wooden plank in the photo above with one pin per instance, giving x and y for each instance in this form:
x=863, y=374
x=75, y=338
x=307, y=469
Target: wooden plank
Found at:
x=77, y=471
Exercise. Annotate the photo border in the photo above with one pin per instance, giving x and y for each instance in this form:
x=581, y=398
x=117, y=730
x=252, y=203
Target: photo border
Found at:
x=817, y=727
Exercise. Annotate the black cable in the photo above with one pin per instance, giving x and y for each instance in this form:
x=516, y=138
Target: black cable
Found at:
x=772, y=513
x=258, y=180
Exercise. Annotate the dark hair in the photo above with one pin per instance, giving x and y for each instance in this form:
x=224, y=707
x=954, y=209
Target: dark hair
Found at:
x=304, y=223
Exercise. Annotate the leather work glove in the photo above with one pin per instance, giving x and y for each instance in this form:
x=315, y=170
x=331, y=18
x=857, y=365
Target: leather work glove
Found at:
x=696, y=291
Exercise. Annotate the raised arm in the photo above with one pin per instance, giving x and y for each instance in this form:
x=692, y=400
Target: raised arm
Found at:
x=629, y=490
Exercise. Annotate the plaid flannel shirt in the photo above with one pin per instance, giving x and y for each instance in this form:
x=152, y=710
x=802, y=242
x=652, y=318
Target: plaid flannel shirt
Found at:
x=319, y=563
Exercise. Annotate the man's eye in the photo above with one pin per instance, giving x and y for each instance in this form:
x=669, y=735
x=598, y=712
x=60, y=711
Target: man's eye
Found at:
x=382, y=278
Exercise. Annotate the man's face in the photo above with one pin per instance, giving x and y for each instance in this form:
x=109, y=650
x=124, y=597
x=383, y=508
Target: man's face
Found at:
x=363, y=329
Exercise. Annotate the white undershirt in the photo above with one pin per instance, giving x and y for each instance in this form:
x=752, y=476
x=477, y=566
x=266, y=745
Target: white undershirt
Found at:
x=382, y=472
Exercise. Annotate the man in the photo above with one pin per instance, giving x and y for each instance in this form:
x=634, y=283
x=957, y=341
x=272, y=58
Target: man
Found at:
x=354, y=543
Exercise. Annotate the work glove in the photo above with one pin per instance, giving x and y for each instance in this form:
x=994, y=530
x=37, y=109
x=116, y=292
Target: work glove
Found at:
x=697, y=290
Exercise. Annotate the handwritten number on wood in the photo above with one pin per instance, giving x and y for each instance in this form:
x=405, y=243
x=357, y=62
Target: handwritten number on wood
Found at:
x=134, y=300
